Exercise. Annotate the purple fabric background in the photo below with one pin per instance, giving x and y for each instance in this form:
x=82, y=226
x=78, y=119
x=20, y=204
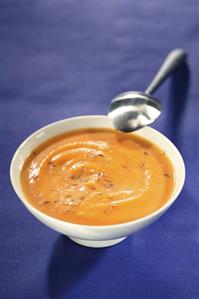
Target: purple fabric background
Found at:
x=62, y=59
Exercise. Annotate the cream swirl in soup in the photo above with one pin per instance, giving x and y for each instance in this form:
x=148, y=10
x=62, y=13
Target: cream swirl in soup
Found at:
x=97, y=177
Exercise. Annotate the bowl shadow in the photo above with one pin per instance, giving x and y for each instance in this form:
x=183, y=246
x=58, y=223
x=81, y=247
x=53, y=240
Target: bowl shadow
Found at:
x=68, y=264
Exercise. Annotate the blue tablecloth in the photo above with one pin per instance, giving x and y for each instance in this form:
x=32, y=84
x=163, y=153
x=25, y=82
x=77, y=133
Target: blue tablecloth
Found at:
x=62, y=59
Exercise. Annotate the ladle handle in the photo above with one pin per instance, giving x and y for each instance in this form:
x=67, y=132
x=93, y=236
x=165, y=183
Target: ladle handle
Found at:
x=174, y=59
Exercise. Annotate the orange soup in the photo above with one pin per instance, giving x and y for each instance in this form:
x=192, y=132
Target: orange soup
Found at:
x=97, y=177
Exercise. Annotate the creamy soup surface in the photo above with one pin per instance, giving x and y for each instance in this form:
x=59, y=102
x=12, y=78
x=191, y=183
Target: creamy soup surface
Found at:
x=97, y=177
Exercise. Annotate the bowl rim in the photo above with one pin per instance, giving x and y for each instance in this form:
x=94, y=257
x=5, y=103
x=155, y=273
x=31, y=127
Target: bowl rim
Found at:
x=95, y=227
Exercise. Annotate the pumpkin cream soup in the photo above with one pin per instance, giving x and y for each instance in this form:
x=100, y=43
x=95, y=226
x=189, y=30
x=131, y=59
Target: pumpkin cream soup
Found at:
x=97, y=177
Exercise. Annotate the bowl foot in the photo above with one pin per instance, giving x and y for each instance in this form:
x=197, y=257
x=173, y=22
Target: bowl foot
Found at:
x=97, y=244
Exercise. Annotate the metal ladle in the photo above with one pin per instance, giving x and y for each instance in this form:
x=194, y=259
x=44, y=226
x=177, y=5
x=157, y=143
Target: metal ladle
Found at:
x=133, y=110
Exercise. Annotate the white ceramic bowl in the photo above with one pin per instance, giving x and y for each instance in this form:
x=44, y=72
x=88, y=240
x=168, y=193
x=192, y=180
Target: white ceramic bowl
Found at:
x=94, y=236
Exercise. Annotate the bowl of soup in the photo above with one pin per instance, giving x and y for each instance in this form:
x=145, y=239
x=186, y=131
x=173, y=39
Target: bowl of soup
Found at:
x=94, y=184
